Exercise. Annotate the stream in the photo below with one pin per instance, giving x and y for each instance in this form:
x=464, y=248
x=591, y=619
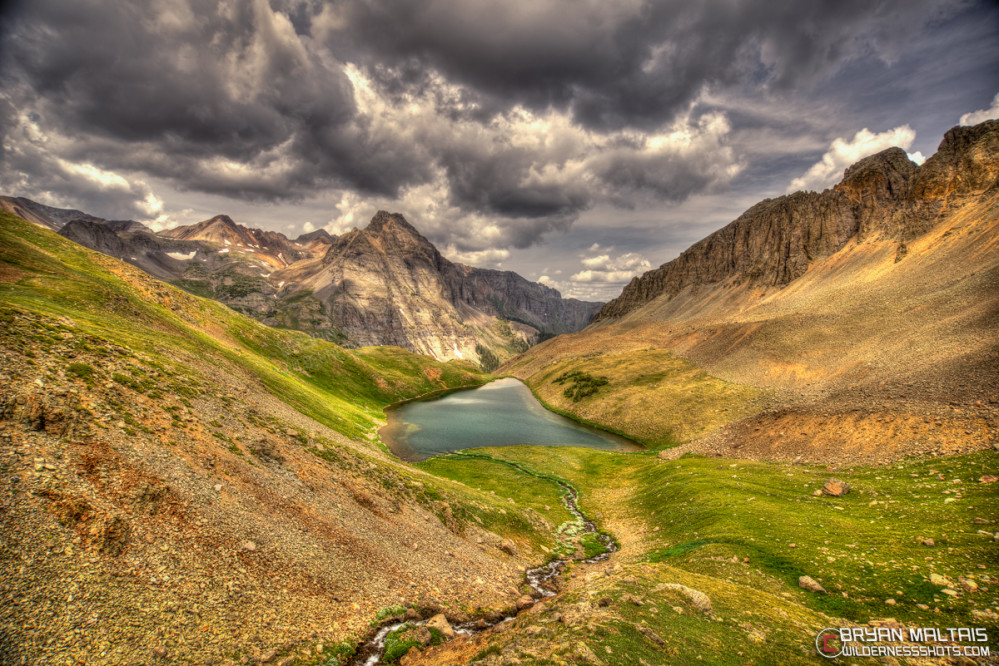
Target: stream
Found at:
x=369, y=653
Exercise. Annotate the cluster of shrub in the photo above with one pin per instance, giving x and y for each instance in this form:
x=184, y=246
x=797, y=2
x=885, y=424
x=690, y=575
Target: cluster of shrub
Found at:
x=581, y=384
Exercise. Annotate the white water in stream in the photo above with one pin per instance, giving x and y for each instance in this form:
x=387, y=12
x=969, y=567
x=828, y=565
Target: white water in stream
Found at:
x=370, y=652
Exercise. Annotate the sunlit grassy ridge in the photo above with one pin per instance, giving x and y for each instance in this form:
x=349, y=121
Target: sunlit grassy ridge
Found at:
x=649, y=395
x=344, y=389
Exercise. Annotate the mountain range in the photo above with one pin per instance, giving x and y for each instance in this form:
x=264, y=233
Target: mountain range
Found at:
x=860, y=323
x=385, y=284
x=186, y=484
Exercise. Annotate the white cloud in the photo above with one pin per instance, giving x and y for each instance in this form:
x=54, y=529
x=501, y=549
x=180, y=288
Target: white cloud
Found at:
x=491, y=258
x=152, y=205
x=604, y=277
x=308, y=227
x=597, y=262
x=842, y=153
x=981, y=115
x=605, y=269
x=34, y=167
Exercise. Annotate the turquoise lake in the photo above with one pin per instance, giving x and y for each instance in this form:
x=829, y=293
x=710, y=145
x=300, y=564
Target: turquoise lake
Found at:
x=501, y=413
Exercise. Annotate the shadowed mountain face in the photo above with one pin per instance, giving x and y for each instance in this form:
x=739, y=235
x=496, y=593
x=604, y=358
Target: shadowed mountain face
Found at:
x=42, y=215
x=856, y=324
x=382, y=285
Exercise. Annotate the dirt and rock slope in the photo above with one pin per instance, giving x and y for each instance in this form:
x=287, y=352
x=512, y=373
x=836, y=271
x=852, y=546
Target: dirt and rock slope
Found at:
x=856, y=324
x=182, y=484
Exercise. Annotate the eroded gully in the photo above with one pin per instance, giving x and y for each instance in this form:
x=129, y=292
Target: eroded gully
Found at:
x=369, y=653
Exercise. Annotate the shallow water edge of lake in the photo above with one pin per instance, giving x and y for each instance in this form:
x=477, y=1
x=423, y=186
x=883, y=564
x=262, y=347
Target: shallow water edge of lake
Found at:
x=503, y=412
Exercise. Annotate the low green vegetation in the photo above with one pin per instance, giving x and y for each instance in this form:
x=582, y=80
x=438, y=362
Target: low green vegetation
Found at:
x=400, y=641
x=487, y=359
x=743, y=532
x=84, y=371
x=387, y=612
x=515, y=343
x=580, y=384
x=864, y=548
x=648, y=395
x=503, y=481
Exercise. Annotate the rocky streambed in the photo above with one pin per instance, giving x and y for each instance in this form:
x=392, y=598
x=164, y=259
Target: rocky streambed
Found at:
x=540, y=579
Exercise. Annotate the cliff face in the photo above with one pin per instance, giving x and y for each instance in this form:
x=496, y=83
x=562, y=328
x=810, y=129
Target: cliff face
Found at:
x=387, y=284
x=506, y=294
x=775, y=241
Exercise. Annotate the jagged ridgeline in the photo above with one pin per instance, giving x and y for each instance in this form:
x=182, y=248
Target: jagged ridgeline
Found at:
x=382, y=285
x=882, y=197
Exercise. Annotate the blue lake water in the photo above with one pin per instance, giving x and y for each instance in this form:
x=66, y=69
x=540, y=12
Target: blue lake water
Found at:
x=501, y=413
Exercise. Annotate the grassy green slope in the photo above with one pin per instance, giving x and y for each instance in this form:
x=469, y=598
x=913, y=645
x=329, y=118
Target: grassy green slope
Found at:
x=47, y=275
x=649, y=395
x=743, y=532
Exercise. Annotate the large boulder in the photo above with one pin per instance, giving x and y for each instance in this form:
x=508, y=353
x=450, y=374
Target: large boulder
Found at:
x=440, y=623
x=836, y=488
x=810, y=584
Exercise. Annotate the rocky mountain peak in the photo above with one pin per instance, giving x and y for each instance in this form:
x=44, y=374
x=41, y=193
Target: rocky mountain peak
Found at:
x=317, y=236
x=384, y=220
x=391, y=233
x=966, y=161
x=215, y=229
x=394, y=229
x=127, y=226
x=223, y=220
x=880, y=177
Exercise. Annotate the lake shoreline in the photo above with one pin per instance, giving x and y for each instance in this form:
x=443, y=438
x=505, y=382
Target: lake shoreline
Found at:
x=512, y=415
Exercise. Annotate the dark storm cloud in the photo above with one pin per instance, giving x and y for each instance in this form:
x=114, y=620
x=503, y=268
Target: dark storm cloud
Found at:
x=177, y=89
x=625, y=63
x=506, y=120
x=490, y=180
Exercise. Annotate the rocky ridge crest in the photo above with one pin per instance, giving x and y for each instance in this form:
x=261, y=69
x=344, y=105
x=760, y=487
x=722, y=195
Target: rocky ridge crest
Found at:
x=775, y=241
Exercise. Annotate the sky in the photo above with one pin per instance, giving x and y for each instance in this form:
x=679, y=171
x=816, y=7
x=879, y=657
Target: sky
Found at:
x=577, y=142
